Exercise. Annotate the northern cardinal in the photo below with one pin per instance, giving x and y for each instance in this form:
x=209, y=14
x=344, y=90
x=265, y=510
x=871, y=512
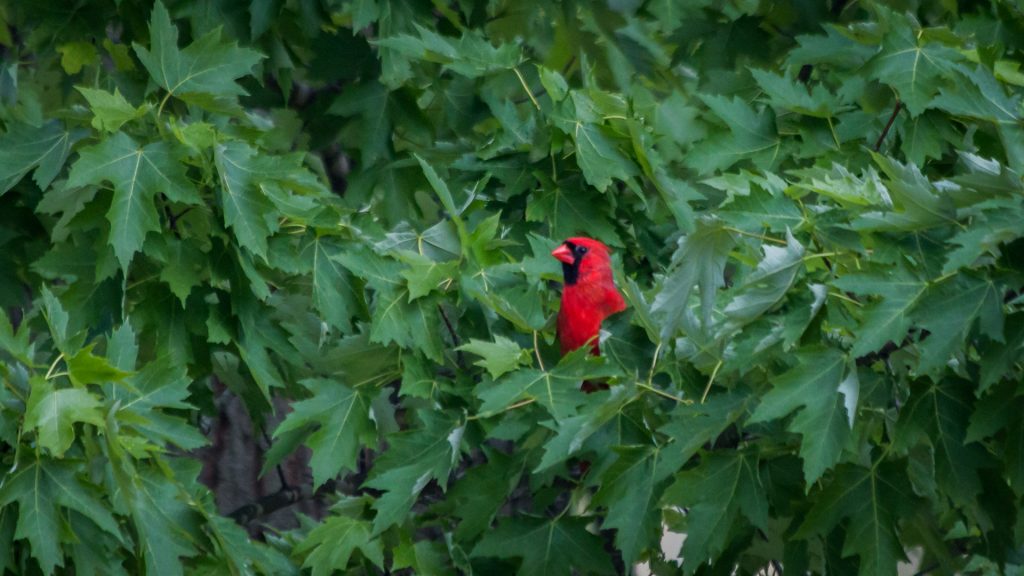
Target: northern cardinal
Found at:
x=589, y=295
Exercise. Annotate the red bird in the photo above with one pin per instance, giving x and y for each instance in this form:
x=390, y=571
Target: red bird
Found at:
x=589, y=295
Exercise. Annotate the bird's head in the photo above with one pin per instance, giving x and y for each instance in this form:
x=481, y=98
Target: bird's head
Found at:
x=583, y=258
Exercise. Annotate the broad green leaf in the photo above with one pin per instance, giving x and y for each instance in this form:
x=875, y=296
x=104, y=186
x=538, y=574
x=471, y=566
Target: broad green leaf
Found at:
x=694, y=425
x=334, y=291
x=44, y=149
x=571, y=433
x=571, y=213
x=43, y=489
x=948, y=312
x=766, y=285
x=479, y=495
x=784, y=92
x=631, y=491
x=498, y=357
x=53, y=413
x=471, y=55
x=813, y=388
x=723, y=486
x=247, y=209
x=85, y=368
x=557, y=389
x=342, y=417
x=599, y=157
x=204, y=73
x=699, y=263
x=556, y=547
x=914, y=65
x=413, y=458
x=870, y=500
x=889, y=319
x=917, y=204
x=138, y=174
x=752, y=136
x=146, y=404
x=330, y=545
x=111, y=111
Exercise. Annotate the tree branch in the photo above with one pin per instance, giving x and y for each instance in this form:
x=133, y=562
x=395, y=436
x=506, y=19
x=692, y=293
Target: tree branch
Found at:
x=892, y=118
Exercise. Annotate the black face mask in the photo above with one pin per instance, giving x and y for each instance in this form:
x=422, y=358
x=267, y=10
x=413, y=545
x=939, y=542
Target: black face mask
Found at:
x=571, y=272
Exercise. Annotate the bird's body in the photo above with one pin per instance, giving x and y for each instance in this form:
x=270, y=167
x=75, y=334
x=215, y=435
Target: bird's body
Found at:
x=589, y=294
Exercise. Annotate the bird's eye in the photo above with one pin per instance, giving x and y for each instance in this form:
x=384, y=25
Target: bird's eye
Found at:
x=581, y=250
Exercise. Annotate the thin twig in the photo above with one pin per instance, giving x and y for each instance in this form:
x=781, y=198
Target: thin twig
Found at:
x=519, y=404
x=761, y=237
x=455, y=337
x=663, y=394
x=527, y=88
x=711, y=381
x=892, y=118
x=536, y=352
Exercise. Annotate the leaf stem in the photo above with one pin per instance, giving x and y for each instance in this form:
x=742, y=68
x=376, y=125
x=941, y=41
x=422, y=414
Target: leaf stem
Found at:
x=663, y=394
x=761, y=237
x=846, y=298
x=525, y=87
x=654, y=364
x=14, y=390
x=53, y=366
x=820, y=255
x=536, y=352
x=508, y=408
x=711, y=381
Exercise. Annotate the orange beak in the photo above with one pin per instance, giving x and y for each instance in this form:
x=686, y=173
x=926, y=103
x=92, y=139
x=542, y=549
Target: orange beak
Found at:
x=564, y=254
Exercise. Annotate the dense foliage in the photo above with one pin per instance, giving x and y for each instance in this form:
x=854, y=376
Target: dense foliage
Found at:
x=816, y=210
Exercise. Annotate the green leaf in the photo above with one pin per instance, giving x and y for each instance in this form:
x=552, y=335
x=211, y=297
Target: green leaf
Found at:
x=413, y=458
x=498, y=357
x=43, y=489
x=599, y=157
x=479, y=495
x=996, y=222
x=914, y=65
x=161, y=386
x=53, y=412
x=557, y=389
x=870, y=500
x=785, y=92
x=330, y=545
x=823, y=420
x=334, y=292
x=716, y=492
x=571, y=433
x=766, y=285
x=694, y=425
x=752, y=136
x=572, y=212
x=85, y=368
x=889, y=319
x=425, y=275
x=24, y=148
x=111, y=111
x=247, y=210
x=561, y=546
x=631, y=490
x=415, y=325
x=342, y=417
x=138, y=175
x=207, y=68
x=948, y=312
x=472, y=55
x=369, y=101
x=699, y=262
